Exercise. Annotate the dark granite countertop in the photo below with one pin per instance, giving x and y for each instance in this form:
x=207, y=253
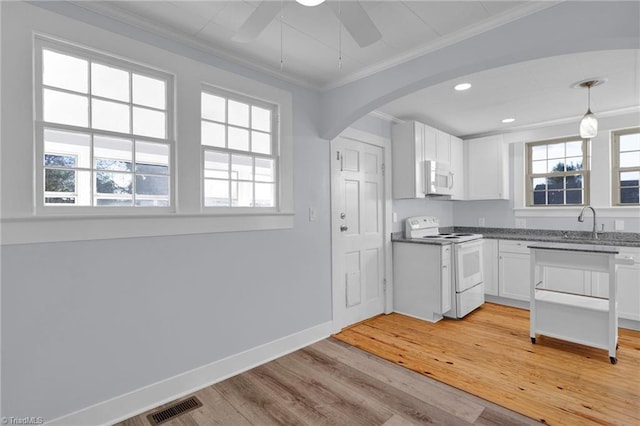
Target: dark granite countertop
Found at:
x=618, y=239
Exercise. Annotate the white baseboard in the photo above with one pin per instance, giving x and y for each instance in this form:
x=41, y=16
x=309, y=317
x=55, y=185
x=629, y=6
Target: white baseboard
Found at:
x=133, y=403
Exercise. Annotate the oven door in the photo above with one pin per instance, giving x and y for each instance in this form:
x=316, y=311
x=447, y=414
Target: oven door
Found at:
x=468, y=266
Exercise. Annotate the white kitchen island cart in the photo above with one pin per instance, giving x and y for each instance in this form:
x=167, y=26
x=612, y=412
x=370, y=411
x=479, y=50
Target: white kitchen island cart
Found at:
x=577, y=318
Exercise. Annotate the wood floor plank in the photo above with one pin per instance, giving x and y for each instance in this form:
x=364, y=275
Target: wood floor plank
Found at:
x=489, y=354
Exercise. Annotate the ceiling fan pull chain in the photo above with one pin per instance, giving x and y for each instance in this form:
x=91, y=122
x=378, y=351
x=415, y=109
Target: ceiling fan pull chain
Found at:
x=281, y=36
x=340, y=35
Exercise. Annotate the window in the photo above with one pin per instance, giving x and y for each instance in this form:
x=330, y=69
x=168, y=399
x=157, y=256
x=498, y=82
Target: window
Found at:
x=557, y=172
x=239, y=147
x=626, y=167
x=103, y=130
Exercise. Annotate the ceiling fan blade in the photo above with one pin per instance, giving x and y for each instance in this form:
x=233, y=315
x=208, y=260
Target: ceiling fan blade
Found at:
x=356, y=20
x=257, y=21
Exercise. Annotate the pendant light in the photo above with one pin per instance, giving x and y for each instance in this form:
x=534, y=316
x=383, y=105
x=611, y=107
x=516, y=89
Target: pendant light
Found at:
x=589, y=123
x=310, y=3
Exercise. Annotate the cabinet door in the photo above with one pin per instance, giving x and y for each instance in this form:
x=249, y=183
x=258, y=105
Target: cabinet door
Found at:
x=490, y=265
x=443, y=147
x=430, y=151
x=487, y=164
x=567, y=280
x=514, y=275
x=457, y=168
x=629, y=291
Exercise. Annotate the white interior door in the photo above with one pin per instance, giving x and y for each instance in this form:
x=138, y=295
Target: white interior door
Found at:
x=357, y=197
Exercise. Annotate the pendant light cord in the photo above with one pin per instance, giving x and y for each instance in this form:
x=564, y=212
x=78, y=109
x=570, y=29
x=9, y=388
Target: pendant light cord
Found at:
x=281, y=36
x=340, y=35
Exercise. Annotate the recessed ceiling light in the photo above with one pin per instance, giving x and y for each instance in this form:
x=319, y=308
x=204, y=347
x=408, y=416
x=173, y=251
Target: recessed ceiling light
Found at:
x=508, y=120
x=462, y=86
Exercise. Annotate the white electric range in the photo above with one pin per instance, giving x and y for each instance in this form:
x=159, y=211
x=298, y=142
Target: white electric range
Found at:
x=467, y=280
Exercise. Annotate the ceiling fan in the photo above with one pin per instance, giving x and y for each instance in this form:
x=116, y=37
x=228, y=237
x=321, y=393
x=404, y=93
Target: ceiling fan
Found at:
x=351, y=13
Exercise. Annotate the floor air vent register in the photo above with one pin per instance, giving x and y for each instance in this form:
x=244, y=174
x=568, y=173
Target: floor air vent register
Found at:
x=174, y=410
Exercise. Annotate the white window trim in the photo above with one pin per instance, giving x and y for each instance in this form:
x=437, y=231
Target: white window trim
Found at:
x=615, y=166
x=23, y=225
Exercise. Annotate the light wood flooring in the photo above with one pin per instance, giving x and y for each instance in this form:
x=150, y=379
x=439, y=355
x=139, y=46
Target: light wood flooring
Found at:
x=332, y=383
x=489, y=354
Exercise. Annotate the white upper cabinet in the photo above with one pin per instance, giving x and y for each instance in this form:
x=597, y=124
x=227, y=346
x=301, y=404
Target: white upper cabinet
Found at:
x=487, y=168
x=413, y=143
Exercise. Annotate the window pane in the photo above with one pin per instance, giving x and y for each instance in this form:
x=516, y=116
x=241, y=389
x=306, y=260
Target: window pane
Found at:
x=556, y=197
x=152, y=185
x=109, y=82
x=260, y=119
x=555, y=182
x=73, y=149
x=59, y=180
x=112, y=153
x=630, y=159
x=216, y=165
x=574, y=197
x=148, y=122
x=539, y=167
x=112, y=116
x=265, y=195
x=539, y=152
x=149, y=91
x=243, y=195
x=216, y=193
x=630, y=142
x=556, y=150
x=264, y=170
x=238, y=139
x=539, y=198
x=539, y=184
x=152, y=203
x=213, y=107
x=629, y=178
x=64, y=71
x=574, y=149
x=574, y=181
x=60, y=200
x=152, y=158
x=261, y=142
x=114, y=183
x=241, y=167
x=629, y=195
x=555, y=166
x=65, y=108
x=574, y=163
x=238, y=114
x=213, y=134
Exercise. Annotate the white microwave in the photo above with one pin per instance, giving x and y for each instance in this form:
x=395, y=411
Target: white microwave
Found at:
x=438, y=178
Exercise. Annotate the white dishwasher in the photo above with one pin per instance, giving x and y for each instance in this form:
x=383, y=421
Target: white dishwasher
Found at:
x=422, y=280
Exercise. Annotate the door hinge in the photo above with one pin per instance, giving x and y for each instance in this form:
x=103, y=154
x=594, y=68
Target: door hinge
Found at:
x=382, y=166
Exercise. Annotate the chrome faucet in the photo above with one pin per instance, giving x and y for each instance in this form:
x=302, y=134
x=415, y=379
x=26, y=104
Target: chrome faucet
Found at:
x=594, y=234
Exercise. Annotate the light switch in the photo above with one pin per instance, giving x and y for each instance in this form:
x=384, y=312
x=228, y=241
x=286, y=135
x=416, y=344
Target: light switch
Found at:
x=313, y=215
x=395, y=217
x=481, y=221
x=618, y=225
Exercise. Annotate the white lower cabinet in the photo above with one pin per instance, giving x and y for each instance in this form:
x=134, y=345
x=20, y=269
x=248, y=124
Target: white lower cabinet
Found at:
x=514, y=265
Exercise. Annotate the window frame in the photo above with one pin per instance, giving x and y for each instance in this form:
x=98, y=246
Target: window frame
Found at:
x=616, y=169
x=585, y=172
x=275, y=155
x=42, y=43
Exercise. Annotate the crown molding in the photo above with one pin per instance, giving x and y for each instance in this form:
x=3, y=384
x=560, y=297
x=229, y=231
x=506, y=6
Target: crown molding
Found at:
x=384, y=116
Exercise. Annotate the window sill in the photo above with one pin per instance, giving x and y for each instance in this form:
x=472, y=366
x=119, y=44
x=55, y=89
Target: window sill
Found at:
x=45, y=229
x=569, y=211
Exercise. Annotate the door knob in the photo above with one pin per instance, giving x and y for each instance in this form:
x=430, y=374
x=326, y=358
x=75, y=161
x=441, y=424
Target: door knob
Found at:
x=343, y=228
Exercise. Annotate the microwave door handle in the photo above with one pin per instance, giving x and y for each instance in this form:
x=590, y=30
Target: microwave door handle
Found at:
x=451, y=181
x=425, y=170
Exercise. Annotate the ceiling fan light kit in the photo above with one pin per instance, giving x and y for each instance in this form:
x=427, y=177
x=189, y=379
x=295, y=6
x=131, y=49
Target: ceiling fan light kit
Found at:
x=589, y=123
x=310, y=3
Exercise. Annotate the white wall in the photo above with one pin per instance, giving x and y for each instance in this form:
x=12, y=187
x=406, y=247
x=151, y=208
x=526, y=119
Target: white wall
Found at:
x=86, y=321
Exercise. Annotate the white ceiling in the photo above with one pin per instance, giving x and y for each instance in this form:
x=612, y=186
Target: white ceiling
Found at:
x=534, y=92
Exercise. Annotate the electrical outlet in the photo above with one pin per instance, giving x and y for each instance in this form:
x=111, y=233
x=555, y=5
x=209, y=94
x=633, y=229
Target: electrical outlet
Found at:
x=481, y=221
x=394, y=216
x=618, y=225
x=521, y=223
